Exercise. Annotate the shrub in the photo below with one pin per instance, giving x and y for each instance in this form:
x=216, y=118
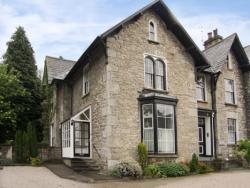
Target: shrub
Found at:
x=126, y=170
x=202, y=168
x=143, y=155
x=5, y=162
x=152, y=170
x=243, y=150
x=35, y=161
x=193, y=164
x=173, y=169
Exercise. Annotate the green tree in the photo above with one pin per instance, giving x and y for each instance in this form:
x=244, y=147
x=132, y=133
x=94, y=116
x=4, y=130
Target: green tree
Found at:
x=31, y=141
x=20, y=59
x=11, y=90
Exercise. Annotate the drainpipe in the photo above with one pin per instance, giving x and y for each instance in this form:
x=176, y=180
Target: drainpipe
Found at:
x=214, y=79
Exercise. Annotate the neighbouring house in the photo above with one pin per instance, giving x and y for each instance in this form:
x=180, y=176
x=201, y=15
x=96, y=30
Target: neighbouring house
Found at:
x=146, y=80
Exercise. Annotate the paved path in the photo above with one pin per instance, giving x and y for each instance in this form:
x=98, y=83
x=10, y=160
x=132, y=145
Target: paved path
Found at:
x=40, y=177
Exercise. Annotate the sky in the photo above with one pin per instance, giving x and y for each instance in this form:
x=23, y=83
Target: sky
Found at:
x=67, y=27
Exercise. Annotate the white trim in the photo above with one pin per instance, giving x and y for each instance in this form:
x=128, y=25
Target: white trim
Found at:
x=90, y=127
x=155, y=30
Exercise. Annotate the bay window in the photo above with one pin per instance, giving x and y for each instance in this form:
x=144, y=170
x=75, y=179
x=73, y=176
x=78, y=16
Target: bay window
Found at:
x=158, y=126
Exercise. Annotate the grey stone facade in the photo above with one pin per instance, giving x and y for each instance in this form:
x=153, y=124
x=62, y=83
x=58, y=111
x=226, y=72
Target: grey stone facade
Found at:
x=116, y=76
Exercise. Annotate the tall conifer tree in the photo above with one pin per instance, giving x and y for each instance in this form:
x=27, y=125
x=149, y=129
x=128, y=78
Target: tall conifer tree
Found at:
x=20, y=58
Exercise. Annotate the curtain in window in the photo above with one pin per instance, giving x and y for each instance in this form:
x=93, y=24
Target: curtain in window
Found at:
x=231, y=131
x=229, y=91
x=149, y=73
x=148, y=128
x=159, y=75
x=165, y=128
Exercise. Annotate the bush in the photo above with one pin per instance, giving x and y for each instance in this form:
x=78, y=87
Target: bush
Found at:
x=202, y=168
x=193, y=164
x=243, y=150
x=152, y=170
x=173, y=169
x=143, y=155
x=35, y=161
x=126, y=170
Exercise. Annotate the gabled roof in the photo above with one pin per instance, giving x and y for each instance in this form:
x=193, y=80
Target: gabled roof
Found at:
x=57, y=68
x=217, y=55
x=172, y=23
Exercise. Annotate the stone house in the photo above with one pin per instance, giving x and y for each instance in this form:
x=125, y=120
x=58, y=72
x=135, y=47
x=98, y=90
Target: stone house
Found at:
x=146, y=80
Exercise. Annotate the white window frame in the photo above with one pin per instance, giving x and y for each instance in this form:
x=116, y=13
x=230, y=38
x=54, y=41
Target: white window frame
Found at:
x=231, y=92
x=147, y=128
x=66, y=142
x=85, y=85
x=164, y=61
x=155, y=39
x=232, y=132
x=198, y=87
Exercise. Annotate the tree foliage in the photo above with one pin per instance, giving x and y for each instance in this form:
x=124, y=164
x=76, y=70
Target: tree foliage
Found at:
x=11, y=90
x=20, y=60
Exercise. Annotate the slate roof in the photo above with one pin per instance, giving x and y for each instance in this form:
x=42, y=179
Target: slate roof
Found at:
x=217, y=55
x=173, y=25
x=57, y=68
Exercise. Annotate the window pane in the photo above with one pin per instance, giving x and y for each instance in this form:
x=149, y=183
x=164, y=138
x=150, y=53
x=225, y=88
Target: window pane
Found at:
x=165, y=124
x=149, y=66
x=159, y=82
x=231, y=131
x=148, y=122
x=200, y=88
x=148, y=138
x=148, y=110
x=159, y=68
x=161, y=122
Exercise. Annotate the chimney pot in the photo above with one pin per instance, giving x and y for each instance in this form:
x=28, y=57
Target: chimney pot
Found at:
x=209, y=35
x=215, y=32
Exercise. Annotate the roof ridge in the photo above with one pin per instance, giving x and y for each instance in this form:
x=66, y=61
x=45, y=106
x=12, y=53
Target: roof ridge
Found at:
x=47, y=56
x=223, y=40
x=247, y=46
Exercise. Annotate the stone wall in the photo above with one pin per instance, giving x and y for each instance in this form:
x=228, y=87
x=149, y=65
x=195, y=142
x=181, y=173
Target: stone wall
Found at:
x=47, y=153
x=97, y=99
x=225, y=111
x=6, y=151
x=247, y=100
x=125, y=68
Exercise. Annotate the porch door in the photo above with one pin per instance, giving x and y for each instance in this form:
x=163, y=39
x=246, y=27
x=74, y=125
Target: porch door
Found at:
x=82, y=139
x=202, y=137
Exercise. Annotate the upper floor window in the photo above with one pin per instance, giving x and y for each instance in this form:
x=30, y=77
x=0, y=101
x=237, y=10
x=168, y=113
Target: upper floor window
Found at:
x=200, y=88
x=232, y=132
x=229, y=61
x=86, y=79
x=155, y=74
x=229, y=91
x=152, y=31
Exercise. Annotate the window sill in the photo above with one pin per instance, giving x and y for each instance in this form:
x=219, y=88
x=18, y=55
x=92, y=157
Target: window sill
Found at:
x=230, y=104
x=85, y=95
x=201, y=101
x=153, y=41
x=162, y=155
x=231, y=145
x=155, y=90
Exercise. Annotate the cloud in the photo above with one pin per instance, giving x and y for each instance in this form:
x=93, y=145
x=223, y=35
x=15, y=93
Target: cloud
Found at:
x=199, y=26
x=61, y=28
x=54, y=35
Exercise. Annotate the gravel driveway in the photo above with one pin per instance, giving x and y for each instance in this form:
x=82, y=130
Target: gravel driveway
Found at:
x=41, y=177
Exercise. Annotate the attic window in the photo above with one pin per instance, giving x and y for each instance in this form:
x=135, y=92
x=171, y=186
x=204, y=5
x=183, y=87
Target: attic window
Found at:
x=229, y=61
x=85, y=80
x=152, y=31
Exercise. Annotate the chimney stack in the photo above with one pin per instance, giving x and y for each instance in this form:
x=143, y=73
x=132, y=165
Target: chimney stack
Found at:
x=213, y=39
